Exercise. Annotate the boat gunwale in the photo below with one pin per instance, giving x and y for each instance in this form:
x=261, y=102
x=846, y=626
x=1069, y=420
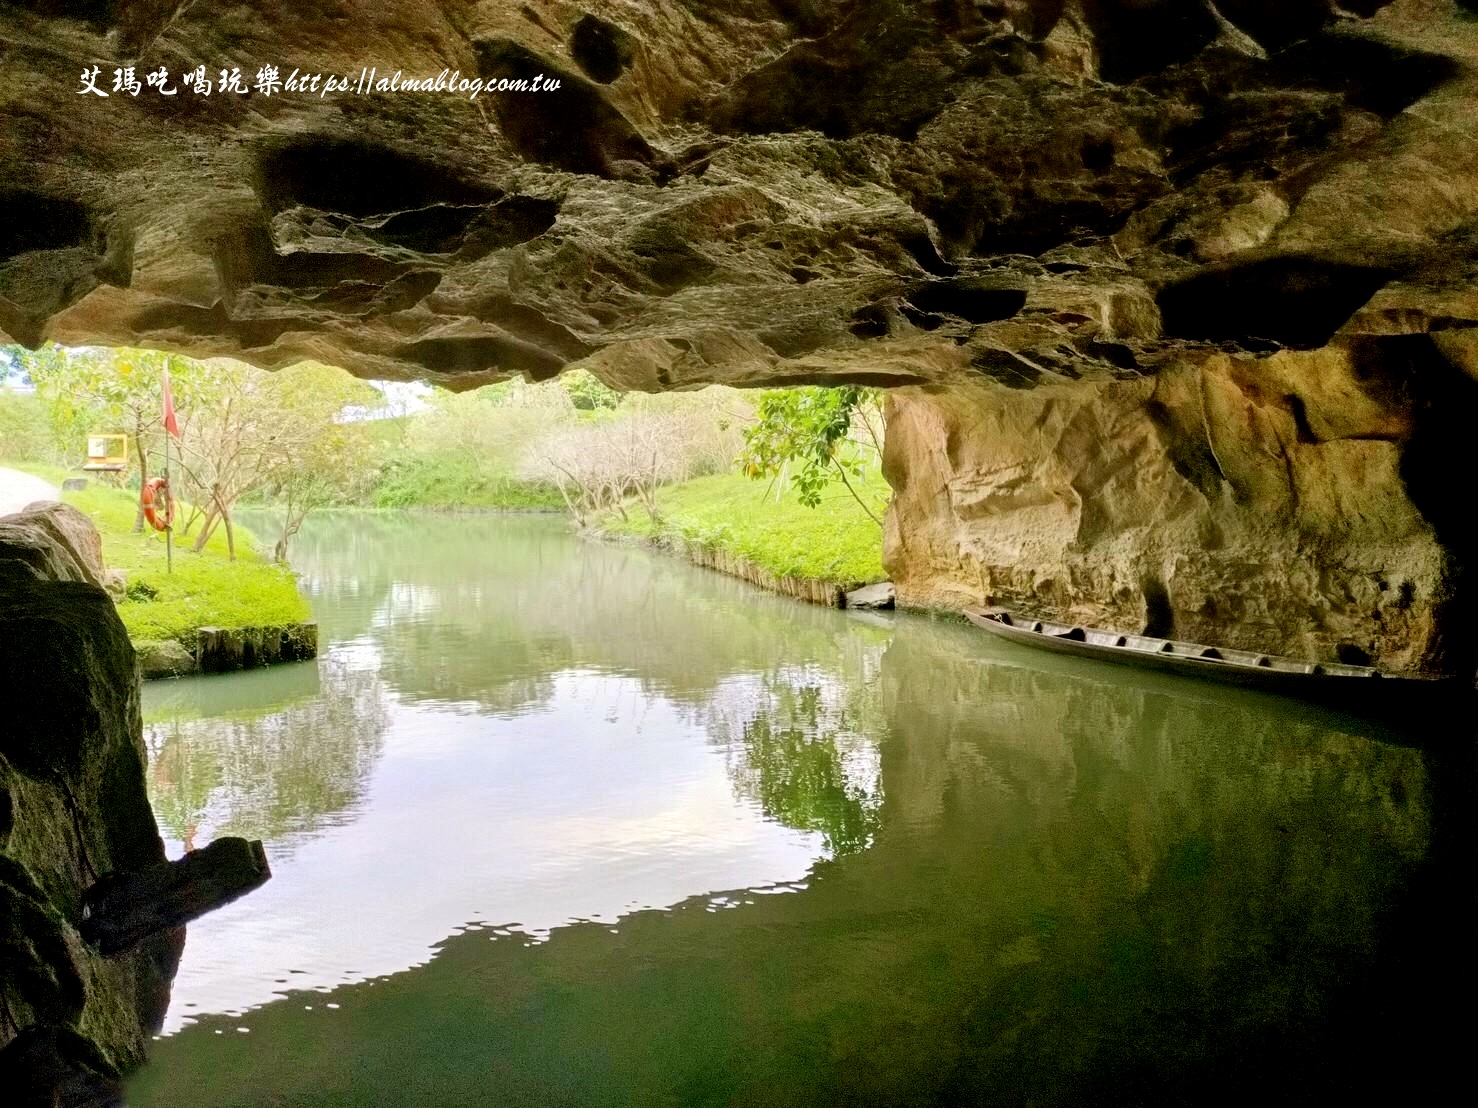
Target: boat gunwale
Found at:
x=1174, y=655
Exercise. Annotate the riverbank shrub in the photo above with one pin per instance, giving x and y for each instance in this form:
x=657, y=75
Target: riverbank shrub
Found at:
x=836, y=541
x=24, y=433
x=450, y=481
x=465, y=449
x=647, y=442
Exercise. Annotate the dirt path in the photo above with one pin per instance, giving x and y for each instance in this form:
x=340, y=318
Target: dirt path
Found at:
x=18, y=489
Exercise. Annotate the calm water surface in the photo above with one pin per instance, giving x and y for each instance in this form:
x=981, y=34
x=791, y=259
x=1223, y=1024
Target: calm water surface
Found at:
x=553, y=822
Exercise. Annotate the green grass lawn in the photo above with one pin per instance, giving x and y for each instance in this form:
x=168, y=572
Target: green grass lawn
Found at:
x=205, y=589
x=835, y=542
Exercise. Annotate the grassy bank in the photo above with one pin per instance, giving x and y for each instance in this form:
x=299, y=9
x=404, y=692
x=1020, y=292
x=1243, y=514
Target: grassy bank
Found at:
x=744, y=519
x=205, y=589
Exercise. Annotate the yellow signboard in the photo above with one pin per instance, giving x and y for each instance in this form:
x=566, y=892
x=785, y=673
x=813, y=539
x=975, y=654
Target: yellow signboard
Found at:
x=107, y=453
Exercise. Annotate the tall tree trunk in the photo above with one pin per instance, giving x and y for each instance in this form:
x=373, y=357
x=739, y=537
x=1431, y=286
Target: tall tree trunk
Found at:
x=206, y=529
x=279, y=552
x=225, y=513
x=573, y=508
x=291, y=524
x=195, y=514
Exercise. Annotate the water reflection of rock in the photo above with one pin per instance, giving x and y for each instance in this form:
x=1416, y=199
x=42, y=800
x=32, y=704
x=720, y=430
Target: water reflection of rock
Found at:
x=264, y=689
x=1180, y=874
x=1080, y=890
x=264, y=773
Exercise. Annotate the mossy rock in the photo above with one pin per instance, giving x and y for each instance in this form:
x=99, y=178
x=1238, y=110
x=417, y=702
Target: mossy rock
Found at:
x=73, y=807
x=163, y=658
x=38, y=966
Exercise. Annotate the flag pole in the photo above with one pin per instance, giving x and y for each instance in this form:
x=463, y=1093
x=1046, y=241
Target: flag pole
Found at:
x=168, y=499
x=171, y=427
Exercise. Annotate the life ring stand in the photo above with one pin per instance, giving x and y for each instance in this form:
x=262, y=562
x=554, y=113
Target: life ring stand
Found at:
x=157, y=503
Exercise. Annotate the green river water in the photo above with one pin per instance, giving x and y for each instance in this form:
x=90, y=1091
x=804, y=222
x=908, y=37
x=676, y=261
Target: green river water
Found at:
x=558, y=823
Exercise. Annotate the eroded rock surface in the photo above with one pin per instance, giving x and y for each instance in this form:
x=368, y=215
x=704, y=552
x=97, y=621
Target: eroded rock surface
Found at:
x=1274, y=503
x=1137, y=212
x=56, y=541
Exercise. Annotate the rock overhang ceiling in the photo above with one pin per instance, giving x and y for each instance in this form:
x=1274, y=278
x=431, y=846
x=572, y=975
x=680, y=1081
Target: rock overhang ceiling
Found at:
x=744, y=191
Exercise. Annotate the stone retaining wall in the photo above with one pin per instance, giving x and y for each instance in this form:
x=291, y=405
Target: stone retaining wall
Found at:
x=810, y=589
x=224, y=649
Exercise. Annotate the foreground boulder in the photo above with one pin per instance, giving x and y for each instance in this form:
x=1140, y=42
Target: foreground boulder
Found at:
x=73, y=809
x=72, y=791
x=56, y=541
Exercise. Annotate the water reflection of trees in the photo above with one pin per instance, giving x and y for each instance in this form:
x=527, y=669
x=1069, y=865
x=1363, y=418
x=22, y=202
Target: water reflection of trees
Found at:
x=469, y=610
x=482, y=610
x=803, y=746
x=266, y=774
x=486, y=611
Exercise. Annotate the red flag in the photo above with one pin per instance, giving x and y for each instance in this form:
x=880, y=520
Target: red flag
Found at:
x=170, y=424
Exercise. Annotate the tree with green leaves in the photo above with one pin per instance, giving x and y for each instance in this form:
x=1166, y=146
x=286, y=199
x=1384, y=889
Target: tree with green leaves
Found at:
x=91, y=390
x=331, y=460
x=259, y=431
x=587, y=392
x=814, y=436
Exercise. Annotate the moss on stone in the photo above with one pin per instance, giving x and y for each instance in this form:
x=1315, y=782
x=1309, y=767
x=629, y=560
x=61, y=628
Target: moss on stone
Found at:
x=74, y=807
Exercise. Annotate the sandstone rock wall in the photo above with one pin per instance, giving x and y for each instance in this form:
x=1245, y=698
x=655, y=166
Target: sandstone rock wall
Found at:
x=72, y=808
x=1305, y=503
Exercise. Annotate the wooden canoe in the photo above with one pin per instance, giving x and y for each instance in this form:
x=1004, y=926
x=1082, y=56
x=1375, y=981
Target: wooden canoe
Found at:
x=1238, y=667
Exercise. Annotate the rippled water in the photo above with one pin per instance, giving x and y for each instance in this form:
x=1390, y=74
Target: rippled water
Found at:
x=553, y=822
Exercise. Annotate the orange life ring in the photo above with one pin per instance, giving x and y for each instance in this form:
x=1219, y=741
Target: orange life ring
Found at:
x=153, y=497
